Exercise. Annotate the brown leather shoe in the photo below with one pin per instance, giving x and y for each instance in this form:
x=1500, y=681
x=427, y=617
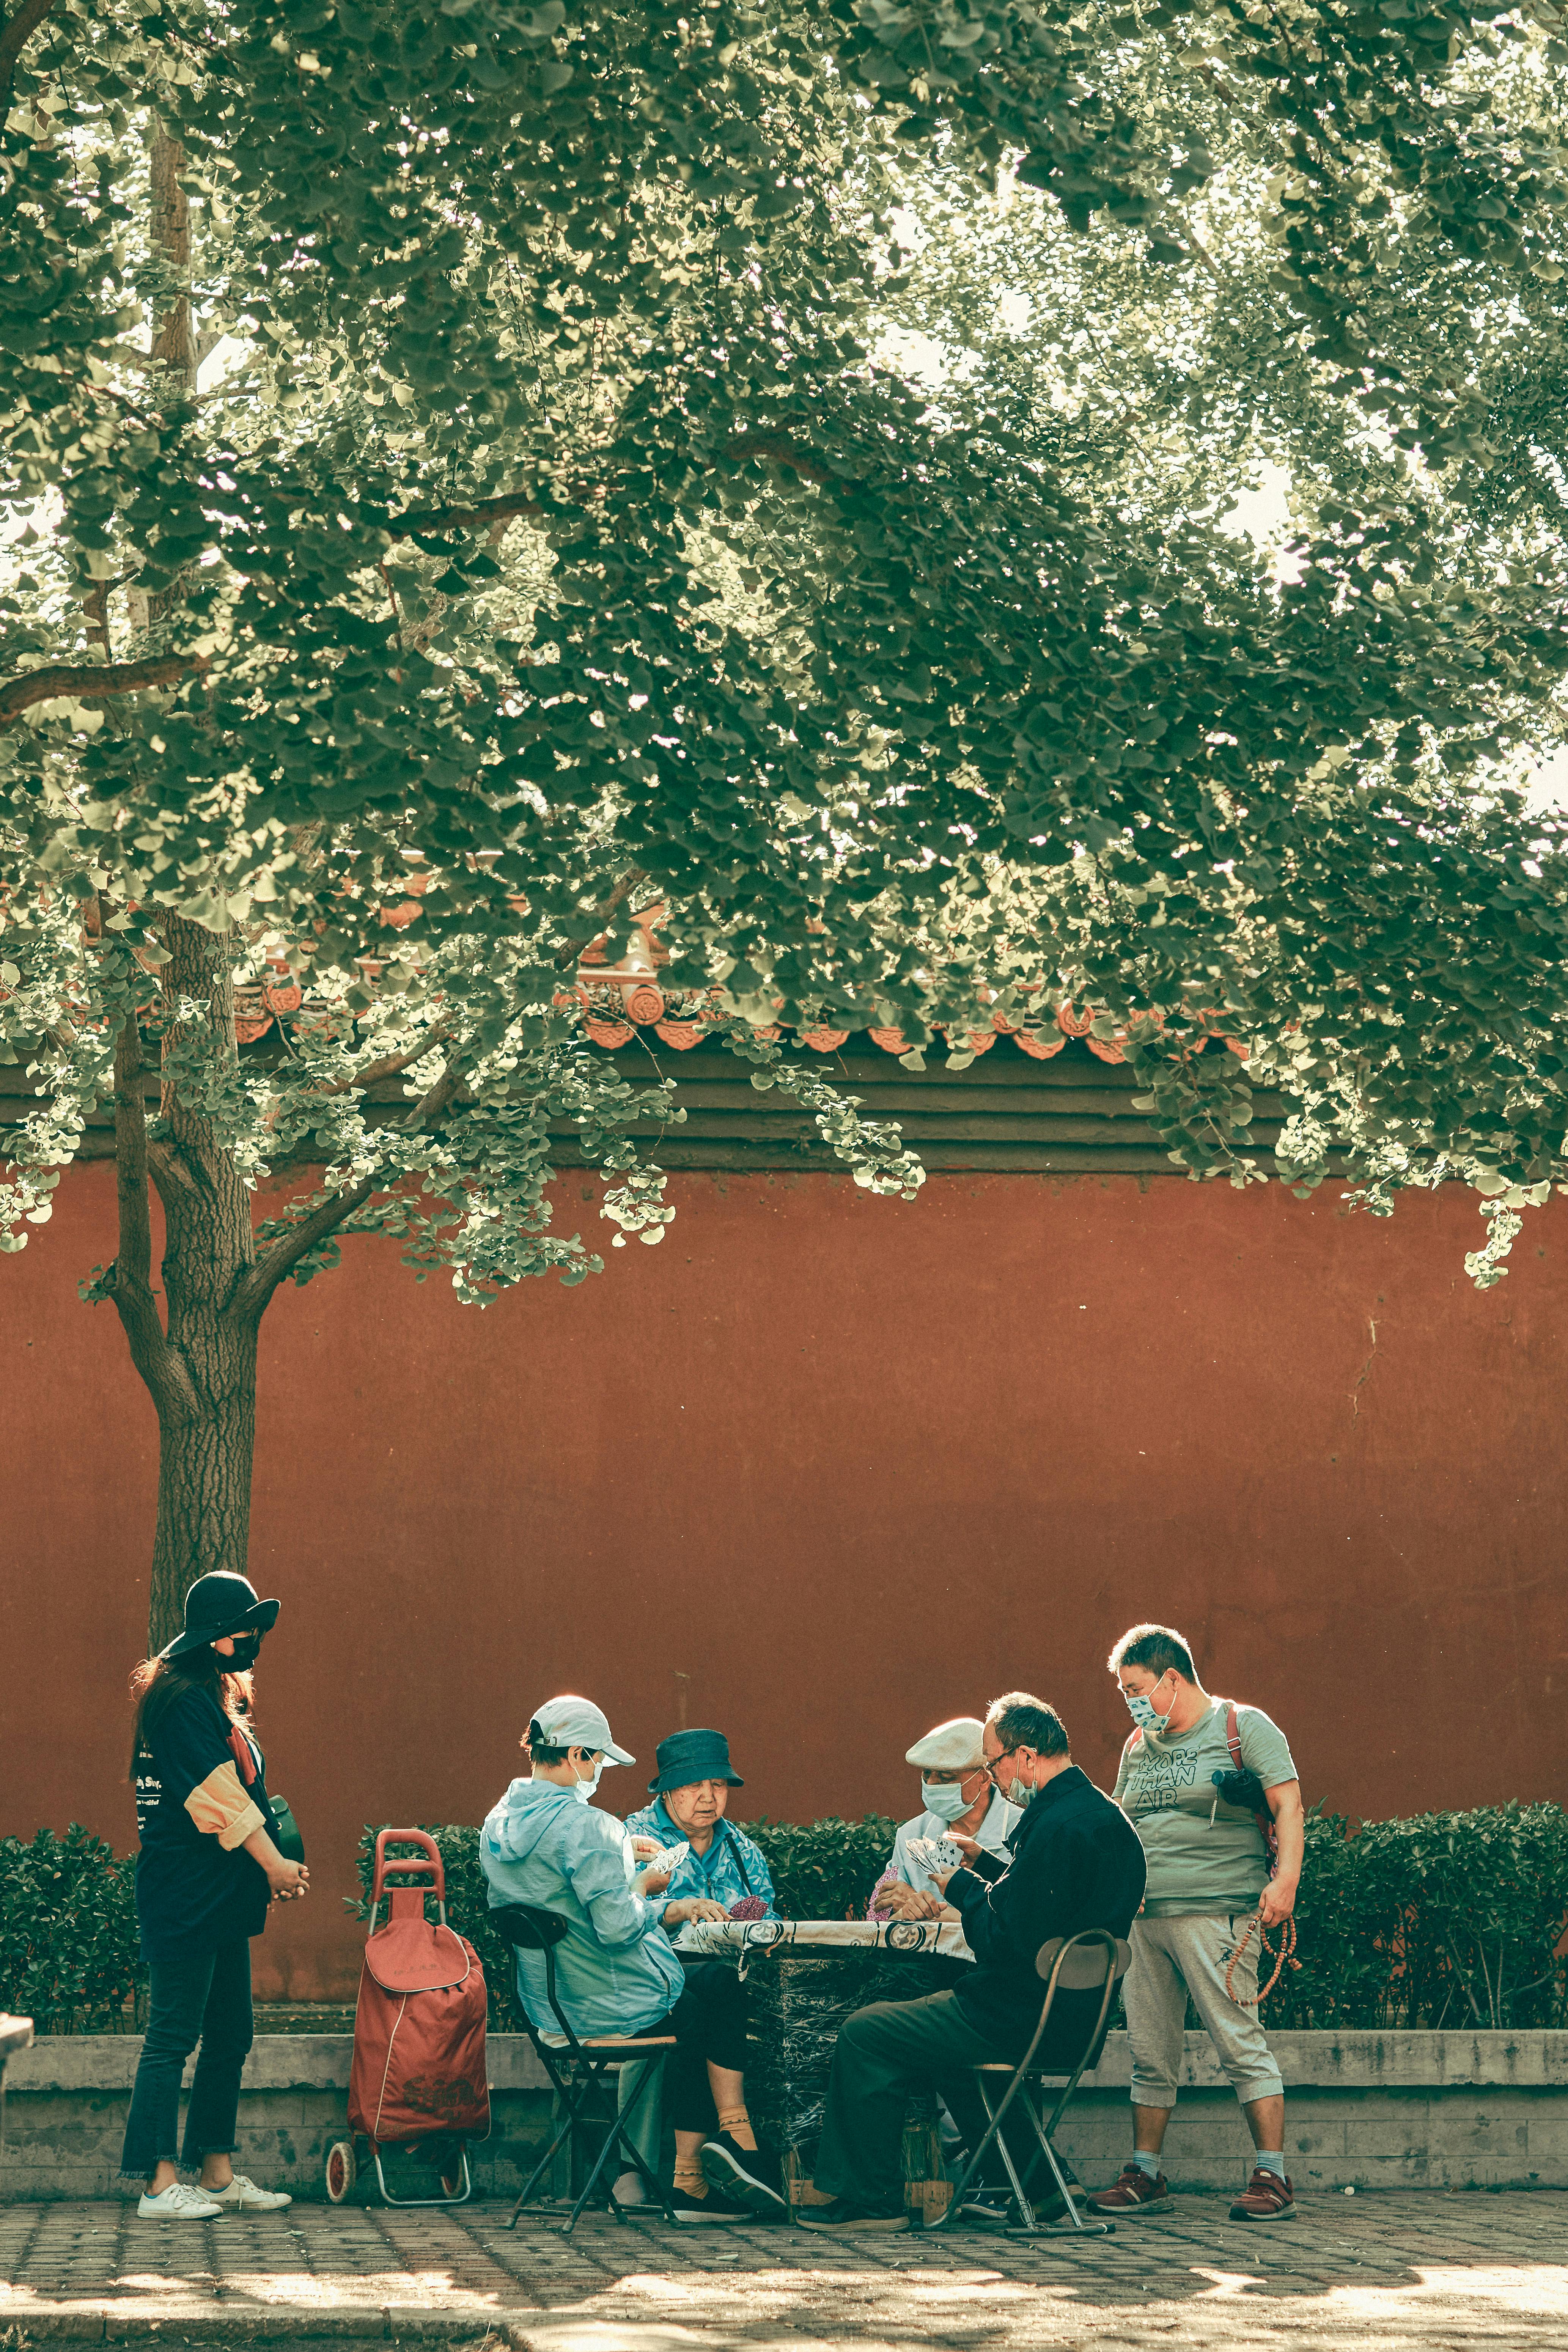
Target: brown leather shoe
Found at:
x=1265, y=2198
x=1133, y=2193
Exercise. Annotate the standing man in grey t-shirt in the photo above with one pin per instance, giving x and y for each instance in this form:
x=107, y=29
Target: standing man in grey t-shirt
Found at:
x=1208, y=1875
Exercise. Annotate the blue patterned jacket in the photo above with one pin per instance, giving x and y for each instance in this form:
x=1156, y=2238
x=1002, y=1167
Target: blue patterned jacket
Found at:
x=732, y=1866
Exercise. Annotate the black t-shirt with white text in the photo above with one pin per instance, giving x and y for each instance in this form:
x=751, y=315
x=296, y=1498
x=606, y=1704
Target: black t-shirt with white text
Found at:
x=195, y=1886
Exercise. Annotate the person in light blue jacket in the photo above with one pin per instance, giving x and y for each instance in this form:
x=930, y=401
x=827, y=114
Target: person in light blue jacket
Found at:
x=616, y=1969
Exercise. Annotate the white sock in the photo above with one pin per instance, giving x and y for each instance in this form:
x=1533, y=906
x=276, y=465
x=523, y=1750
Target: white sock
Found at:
x=1146, y=2163
x=1270, y=2159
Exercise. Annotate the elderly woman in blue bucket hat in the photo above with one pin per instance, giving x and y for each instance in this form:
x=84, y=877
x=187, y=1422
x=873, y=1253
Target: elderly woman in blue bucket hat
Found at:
x=691, y=1790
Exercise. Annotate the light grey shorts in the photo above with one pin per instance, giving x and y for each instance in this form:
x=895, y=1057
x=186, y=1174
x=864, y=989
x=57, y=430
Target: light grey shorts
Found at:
x=1172, y=1957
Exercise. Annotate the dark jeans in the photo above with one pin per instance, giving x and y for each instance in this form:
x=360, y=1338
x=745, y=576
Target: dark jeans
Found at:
x=882, y=2053
x=708, y=2021
x=201, y=1996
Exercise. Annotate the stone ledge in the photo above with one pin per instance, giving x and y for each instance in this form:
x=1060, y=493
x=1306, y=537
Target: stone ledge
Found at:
x=1364, y=2111
x=277, y=2061
x=1537, y=2059
x=1524, y=2060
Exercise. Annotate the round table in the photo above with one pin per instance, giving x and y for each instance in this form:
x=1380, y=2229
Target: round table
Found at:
x=806, y=1976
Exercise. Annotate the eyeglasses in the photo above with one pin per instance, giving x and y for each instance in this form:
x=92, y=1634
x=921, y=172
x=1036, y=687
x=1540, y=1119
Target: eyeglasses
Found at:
x=995, y=1761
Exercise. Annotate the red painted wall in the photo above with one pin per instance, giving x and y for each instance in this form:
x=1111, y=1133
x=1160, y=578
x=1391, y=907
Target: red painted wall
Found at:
x=847, y=1466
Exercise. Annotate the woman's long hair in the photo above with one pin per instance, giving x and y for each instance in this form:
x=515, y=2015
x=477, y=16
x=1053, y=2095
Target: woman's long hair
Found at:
x=157, y=1683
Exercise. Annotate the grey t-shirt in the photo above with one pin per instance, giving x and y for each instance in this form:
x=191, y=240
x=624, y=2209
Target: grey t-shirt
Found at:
x=1204, y=1855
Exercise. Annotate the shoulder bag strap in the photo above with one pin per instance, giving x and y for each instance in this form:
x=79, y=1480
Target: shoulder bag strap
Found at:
x=736, y=1856
x=1264, y=1819
x=242, y=1755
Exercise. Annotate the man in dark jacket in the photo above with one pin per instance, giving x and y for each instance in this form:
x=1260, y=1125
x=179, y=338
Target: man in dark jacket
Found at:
x=1076, y=1864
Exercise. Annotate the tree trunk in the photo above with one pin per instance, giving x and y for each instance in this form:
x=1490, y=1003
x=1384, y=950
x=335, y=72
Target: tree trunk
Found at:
x=206, y=1413
x=205, y=1451
x=173, y=336
x=200, y=1370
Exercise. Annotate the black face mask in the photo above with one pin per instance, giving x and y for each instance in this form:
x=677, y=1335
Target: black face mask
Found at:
x=247, y=1650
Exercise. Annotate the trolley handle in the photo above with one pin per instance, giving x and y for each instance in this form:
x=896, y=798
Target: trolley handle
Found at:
x=426, y=1864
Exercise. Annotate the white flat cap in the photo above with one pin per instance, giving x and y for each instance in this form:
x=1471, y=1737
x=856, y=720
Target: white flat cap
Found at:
x=571, y=1722
x=951, y=1747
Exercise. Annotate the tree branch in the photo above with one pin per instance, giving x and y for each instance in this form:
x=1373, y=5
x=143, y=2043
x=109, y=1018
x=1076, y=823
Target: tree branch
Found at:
x=254, y=1292
x=571, y=953
x=130, y=1279
x=372, y=1071
x=396, y=614
x=14, y=34
x=251, y=1298
x=95, y=605
x=91, y=681
x=436, y=520
x=779, y=452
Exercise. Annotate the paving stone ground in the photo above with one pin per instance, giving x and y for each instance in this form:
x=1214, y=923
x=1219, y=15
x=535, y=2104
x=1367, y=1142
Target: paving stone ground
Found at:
x=1424, y=2270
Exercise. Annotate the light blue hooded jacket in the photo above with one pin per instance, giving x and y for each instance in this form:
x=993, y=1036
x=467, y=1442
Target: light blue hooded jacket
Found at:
x=615, y=1969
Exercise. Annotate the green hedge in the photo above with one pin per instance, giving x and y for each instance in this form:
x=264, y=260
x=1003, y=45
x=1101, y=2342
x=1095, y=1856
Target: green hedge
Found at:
x=1451, y=1919
x=69, y=1947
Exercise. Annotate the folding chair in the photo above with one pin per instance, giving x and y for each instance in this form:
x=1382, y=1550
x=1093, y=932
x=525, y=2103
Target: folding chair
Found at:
x=1075, y=1965
x=577, y=2067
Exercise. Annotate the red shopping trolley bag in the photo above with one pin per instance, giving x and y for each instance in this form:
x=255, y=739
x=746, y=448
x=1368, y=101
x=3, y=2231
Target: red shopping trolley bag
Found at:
x=419, y=2027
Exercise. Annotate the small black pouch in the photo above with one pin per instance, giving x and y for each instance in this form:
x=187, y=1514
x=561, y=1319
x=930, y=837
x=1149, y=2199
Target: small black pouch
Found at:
x=1243, y=1789
x=285, y=1831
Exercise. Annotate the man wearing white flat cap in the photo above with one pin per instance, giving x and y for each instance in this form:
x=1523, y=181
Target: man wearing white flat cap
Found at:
x=960, y=1801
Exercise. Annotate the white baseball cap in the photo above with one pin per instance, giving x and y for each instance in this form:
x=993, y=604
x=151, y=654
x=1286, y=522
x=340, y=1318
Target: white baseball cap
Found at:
x=569, y=1722
x=952, y=1746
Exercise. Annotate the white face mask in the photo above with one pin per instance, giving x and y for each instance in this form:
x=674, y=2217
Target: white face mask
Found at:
x=945, y=1799
x=583, y=1789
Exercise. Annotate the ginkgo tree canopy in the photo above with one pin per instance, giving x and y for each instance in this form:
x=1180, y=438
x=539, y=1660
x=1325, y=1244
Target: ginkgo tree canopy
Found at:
x=552, y=533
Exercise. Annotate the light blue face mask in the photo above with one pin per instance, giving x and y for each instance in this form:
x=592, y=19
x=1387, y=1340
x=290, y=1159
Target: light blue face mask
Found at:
x=583, y=1789
x=945, y=1799
x=1143, y=1711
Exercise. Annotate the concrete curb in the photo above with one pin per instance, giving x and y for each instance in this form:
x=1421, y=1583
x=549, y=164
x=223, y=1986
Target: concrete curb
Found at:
x=261, y=2322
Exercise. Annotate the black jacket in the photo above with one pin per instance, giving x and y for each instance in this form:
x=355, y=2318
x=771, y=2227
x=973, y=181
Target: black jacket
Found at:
x=1076, y=1864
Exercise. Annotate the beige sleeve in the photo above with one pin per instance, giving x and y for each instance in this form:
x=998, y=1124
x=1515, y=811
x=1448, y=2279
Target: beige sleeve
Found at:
x=219, y=1807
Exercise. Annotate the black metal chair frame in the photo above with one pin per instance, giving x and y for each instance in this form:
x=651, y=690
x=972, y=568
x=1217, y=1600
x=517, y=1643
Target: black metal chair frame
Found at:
x=1062, y=1960
x=576, y=2067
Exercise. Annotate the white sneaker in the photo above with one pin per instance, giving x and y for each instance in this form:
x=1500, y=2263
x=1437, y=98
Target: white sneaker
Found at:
x=178, y=2202
x=242, y=2195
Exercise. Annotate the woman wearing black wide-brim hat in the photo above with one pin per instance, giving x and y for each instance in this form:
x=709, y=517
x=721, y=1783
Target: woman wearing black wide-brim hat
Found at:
x=208, y=1870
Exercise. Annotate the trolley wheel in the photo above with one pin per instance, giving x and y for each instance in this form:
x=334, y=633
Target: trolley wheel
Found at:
x=341, y=2170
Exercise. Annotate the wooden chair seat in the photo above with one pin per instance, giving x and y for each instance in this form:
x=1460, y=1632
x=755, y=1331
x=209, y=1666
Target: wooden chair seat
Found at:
x=633, y=2043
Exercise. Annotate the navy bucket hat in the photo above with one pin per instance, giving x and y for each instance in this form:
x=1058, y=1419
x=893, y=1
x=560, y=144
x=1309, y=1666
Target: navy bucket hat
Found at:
x=688, y=1756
